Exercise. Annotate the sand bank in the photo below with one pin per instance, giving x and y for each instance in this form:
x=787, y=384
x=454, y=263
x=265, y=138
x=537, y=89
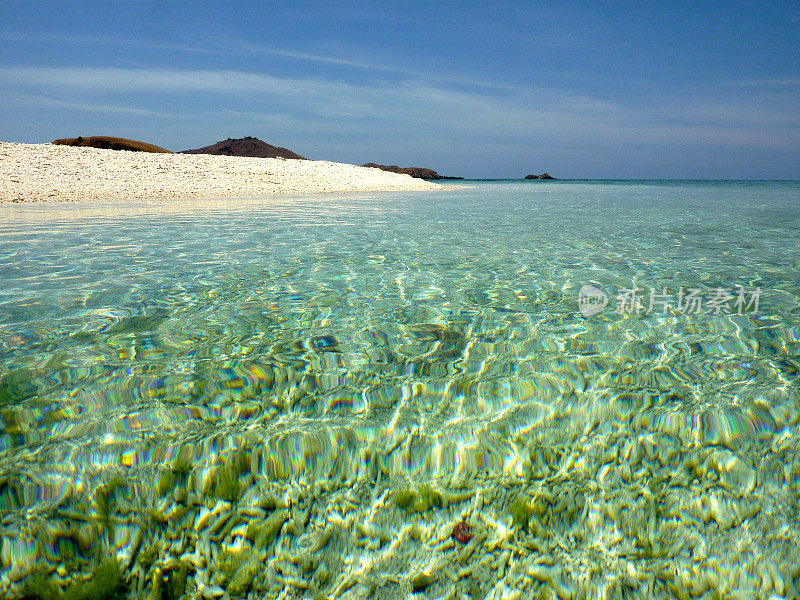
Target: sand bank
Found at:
x=46, y=172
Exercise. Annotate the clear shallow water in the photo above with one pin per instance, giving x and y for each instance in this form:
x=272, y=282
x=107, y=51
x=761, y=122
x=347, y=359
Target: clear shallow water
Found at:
x=378, y=340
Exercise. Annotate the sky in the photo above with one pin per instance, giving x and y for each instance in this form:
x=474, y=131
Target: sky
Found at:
x=687, y=90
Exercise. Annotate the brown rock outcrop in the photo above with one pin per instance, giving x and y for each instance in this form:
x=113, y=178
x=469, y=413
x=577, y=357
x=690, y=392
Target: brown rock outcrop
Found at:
x=418, y=172
x=110, y=143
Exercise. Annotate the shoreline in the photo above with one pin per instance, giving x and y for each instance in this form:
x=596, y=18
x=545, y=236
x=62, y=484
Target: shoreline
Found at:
x=35, y=173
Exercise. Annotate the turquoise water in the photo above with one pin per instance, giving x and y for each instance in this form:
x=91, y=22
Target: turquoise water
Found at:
x=336, y=355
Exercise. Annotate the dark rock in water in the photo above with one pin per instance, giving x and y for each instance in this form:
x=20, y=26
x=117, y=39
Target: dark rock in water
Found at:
x=420, y=581
x=418, y=172
x=323, y=342
x=246, y=146
x=542, y=176
x=462, y=532
x=110, y=143
x=137, y=323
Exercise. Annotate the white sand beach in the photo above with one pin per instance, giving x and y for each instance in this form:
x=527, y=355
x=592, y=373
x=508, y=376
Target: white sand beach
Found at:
x=50, y=173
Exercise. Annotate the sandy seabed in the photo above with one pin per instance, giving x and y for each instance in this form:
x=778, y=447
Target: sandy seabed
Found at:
x=45, y=172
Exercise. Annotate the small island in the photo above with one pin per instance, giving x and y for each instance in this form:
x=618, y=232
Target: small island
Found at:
x=418, y=172
x=542, y=176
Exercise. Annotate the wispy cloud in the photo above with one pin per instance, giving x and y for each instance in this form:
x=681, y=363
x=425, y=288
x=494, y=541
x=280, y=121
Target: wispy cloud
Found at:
x=786, y=82
x=108, y=41
x=331, y=60
x=386, y=65
x=89, y=107
x=408, y=108
x=164, y=80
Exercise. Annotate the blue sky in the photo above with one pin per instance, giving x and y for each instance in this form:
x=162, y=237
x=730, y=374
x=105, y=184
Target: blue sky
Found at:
x=500, y=89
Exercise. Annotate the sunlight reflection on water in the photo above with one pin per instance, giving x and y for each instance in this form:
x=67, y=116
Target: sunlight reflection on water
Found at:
x=429, y=337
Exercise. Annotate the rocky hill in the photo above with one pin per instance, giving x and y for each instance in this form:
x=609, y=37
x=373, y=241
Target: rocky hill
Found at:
x=246, y=146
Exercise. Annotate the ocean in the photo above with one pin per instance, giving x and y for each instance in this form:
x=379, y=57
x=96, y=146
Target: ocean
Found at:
x=506, y=389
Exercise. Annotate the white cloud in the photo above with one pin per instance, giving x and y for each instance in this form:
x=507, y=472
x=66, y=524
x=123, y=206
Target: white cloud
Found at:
x=384, y=65
x=780, y=82
x=411, y=107
x=161, y=80
x=107, y=41
x=46, y=102
x=322, y=58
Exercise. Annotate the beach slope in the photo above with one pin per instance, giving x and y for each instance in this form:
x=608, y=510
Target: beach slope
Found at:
x=47, y=172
